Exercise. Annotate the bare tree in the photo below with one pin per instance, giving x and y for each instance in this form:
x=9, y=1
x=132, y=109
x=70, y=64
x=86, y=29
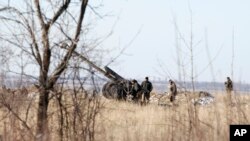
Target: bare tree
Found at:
x=178, y=47
x=191, y=47
x=233, y=56
x=41, y=29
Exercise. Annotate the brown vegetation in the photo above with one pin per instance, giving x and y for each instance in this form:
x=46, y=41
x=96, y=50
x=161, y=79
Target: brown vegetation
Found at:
x=81, y=117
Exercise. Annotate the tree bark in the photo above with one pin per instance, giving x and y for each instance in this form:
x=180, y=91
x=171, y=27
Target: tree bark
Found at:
x=42, y=132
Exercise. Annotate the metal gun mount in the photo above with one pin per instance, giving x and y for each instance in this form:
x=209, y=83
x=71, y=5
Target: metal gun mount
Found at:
x=118, y=88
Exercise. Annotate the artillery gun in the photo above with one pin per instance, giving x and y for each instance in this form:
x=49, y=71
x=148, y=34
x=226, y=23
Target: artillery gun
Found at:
x=117, y=88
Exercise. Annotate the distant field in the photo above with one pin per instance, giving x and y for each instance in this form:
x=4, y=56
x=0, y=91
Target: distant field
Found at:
x=110, y=120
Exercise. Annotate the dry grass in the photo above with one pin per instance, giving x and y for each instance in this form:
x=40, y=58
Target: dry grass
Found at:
x=123, y=121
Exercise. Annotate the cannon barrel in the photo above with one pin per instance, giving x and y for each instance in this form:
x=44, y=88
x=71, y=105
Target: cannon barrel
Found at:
x=93, y=65
x=113, y=74
x=117, y=88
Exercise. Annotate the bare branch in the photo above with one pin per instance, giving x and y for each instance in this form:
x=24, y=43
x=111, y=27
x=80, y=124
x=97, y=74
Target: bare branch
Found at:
x=27, y=26
x=59, y=12
x=8, y=106
x=209, y=63
x=125, y=47
x=3, y=9
x=62, y=66
x=39, y=13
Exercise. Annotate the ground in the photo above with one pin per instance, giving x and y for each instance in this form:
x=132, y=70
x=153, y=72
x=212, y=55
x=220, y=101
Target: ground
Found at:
x=106, y=119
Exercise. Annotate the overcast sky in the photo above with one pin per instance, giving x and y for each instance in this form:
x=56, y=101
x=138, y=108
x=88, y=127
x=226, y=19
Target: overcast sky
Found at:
x=153, y=51
x=147, y=30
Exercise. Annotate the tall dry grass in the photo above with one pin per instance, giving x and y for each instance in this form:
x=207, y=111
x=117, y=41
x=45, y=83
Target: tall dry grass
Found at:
x=121, y=121
x=110, y=120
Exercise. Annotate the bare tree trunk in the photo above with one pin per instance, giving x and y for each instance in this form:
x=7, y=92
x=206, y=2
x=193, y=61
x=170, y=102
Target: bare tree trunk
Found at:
x=46, y=82
x=191, y=48
x=42, y=117
x=192, y=54
x=61, y=117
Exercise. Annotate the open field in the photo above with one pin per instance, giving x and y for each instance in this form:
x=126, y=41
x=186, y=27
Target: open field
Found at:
x=83, y=118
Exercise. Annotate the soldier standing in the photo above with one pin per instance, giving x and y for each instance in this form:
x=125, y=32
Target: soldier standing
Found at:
x=147, y=87
x=172, y=89
x=135, y=89
x=229, y=86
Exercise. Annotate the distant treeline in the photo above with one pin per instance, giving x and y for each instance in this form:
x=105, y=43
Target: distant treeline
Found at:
x=159, y=85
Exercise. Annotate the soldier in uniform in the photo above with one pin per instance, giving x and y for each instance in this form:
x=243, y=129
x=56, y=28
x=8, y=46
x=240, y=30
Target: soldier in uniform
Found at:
x=147, y=87
x=229, y=85
x=173, y=90
x=135, y=89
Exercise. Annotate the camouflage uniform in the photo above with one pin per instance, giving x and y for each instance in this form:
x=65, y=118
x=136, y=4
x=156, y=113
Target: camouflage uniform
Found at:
x=147, y=87
x=173, y=90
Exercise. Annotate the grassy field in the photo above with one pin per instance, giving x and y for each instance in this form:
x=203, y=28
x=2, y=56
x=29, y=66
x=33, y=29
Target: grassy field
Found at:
x=180, y=122
x=82, y=118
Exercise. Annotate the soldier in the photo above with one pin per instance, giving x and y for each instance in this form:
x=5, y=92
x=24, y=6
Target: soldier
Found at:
x=229, y=85
x=135, y=89
x=173, y=90
x=147, y=87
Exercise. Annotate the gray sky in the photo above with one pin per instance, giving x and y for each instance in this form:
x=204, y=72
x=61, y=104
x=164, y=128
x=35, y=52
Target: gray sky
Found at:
x=153, y=52
x=147, y=29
